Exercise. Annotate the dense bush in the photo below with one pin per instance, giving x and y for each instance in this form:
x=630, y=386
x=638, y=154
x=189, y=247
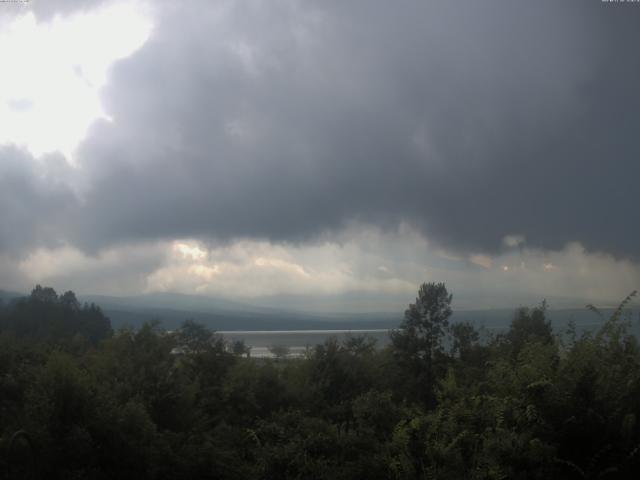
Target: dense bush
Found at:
x=439, y=402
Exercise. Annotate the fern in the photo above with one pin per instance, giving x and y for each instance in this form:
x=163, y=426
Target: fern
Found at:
x=618, y=311
x=596, y=310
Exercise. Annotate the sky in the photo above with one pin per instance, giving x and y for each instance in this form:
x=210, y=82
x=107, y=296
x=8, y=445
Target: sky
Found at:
x=322, y=149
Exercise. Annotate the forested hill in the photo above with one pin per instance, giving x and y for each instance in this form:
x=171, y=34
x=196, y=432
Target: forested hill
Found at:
x=80, y=400
x=44, y=315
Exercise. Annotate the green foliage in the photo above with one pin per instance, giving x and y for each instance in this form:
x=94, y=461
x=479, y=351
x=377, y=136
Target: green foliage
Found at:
x=45, y=316
x=187, y=404
x=528, y=325
x=418, y=344
x=280, y=351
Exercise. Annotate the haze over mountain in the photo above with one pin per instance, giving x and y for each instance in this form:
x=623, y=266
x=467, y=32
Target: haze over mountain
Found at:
x=221, y=314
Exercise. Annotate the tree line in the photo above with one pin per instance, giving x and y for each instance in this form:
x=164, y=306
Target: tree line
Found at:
x=440, y=401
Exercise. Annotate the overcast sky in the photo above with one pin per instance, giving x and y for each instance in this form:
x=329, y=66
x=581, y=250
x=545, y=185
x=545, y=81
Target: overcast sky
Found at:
x=321, y=148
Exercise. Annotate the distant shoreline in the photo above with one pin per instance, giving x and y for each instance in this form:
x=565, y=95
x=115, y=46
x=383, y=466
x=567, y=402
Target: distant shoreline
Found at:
x=295, y=332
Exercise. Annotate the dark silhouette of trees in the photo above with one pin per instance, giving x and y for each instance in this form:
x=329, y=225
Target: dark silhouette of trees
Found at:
x=45, y=315
x=529, y=325
x=418, y=342
x=465, y=339
x=45, y=295
x=154, y=404
x=280, y=351
x=194, y=337
x=239, y=347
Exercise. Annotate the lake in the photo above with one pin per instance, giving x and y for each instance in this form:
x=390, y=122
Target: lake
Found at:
x=297, y=340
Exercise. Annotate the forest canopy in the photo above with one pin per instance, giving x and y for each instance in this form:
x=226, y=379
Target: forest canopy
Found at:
x=442, y=400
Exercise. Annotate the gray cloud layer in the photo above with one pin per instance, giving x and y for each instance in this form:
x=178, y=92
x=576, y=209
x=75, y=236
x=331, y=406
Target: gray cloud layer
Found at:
x=33, y=204
x=468, y=120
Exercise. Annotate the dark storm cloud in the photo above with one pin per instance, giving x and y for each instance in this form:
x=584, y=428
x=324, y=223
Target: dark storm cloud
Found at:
x=471, y=120
x=32, y=202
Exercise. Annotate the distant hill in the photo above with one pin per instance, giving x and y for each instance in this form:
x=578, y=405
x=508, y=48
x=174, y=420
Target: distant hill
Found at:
x=222, y=314
x=171, y=309
x=6, y=296
x=172, y=318
x=497, y=320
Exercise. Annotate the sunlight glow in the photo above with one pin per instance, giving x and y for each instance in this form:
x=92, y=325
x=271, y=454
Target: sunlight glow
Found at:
x=192, y=252
x=281, y=264
x=52, y=74
x=481, y=260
